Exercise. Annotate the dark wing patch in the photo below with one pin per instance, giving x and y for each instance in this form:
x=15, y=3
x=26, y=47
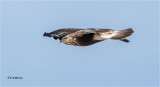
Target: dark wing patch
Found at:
x=59, y=34
x=83, y=37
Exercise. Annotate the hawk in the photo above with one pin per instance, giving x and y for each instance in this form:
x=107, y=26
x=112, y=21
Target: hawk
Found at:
x=89, y=36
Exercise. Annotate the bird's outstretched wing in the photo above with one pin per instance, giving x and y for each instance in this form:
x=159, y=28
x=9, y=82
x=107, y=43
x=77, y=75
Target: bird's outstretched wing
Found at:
x=82, y=33
x=59, y=34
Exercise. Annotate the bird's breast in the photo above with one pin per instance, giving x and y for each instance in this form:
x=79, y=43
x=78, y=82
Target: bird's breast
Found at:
x=70, y=41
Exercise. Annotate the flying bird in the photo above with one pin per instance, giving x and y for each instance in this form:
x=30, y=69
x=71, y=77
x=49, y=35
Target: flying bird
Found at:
x=89, y=36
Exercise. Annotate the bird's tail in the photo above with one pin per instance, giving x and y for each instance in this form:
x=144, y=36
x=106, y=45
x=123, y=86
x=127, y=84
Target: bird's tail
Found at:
x=122, y=34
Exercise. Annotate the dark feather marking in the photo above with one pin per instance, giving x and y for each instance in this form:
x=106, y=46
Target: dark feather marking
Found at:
x=86, y=39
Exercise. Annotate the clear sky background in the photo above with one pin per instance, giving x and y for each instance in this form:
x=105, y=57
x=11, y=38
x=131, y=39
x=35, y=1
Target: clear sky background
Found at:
x=47, y=62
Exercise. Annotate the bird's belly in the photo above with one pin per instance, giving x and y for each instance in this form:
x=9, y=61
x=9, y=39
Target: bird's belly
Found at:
x=79, y=42
x=70, y=41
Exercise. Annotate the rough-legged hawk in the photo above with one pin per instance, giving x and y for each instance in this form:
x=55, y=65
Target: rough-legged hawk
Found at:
x=89, y=36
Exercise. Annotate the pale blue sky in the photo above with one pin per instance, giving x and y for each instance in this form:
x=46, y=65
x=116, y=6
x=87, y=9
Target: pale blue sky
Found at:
x=47, y=62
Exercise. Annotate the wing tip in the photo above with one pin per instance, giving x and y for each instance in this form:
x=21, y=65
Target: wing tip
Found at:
x=46, y=34
x=125, y=40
